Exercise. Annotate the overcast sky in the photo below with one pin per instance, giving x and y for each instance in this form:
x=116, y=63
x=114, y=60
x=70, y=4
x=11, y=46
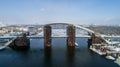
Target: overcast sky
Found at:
x=60, y=11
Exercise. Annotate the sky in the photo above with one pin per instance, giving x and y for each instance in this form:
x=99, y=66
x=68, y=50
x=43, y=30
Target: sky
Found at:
x=99, y=12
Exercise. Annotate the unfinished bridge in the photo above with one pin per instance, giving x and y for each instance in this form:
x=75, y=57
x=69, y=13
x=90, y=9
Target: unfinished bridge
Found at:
x=71, y=30
x=95, y=38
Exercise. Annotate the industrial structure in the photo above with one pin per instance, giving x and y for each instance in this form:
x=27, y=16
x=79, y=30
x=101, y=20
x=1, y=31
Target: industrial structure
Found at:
x=95, y=41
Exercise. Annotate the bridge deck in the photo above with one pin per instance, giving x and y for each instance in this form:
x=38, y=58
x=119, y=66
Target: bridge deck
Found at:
x=33, y=37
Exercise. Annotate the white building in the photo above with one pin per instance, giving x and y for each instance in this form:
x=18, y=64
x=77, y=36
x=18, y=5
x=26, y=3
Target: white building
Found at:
x=2, y=25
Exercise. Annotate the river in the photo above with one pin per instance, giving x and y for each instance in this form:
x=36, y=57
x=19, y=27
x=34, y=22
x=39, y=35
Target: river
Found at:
x=58, y=56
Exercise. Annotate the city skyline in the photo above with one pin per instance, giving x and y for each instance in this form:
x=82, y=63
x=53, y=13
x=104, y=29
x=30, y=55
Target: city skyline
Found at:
x=60, y=11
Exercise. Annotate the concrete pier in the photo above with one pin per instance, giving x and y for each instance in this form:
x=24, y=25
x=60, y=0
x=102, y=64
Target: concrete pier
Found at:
x=71, y=35
x=95, y=39
x=47, y=36
x=20, y=43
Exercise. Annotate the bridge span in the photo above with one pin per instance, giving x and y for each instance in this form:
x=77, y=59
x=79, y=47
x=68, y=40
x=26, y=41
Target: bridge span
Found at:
x=93, y=37
x=39, y=37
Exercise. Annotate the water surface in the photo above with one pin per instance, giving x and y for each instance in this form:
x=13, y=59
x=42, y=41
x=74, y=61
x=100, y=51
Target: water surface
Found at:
x=58, y=56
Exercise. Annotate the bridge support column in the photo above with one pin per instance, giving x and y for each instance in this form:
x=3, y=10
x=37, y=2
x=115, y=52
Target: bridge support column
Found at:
x=71, y=35
x=95, y=39
x=47, y=36
x=20, y=43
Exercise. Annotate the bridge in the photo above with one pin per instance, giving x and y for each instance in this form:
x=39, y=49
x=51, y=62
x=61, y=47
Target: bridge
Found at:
x=70, y=32
x=93, y=37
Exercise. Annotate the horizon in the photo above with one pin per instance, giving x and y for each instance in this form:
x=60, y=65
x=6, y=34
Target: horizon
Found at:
x=83, y=12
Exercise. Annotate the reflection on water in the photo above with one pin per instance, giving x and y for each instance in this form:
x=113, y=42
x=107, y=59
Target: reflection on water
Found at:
x=70, y=54
x=59, y=55
x=47, y=56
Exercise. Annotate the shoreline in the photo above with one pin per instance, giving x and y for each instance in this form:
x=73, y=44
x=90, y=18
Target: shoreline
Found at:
x=109, y=57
